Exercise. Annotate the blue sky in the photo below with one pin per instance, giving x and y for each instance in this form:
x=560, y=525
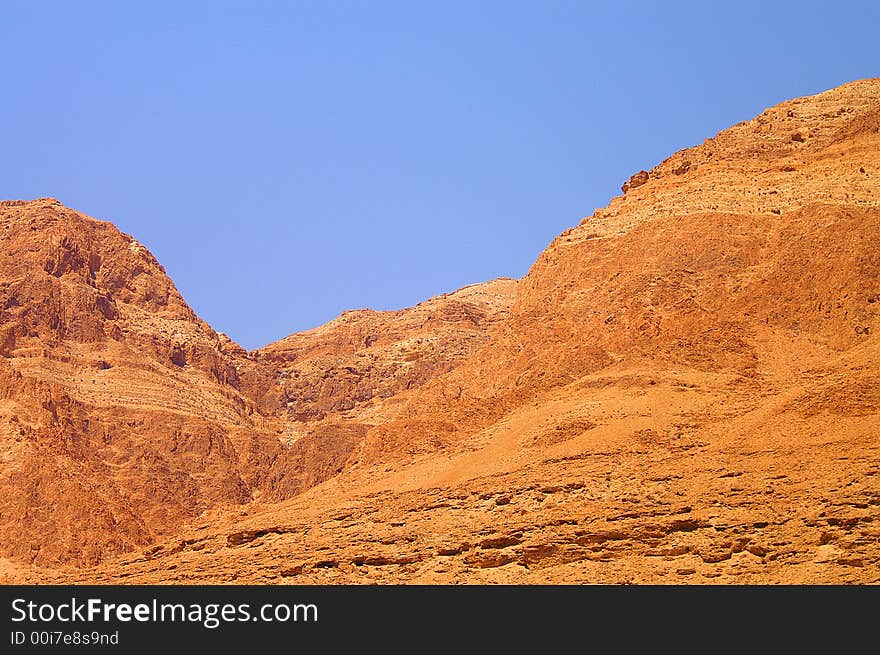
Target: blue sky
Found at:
x=289, y=160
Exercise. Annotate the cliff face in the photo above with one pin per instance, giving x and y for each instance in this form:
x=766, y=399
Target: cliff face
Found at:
x=364, y=357
x=121, y=416
x=343, y=378
x=769, y=228
x=684, y=387
x=124, y=416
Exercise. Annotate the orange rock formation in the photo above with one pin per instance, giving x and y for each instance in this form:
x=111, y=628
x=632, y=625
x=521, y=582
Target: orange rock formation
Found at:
x=684, y=388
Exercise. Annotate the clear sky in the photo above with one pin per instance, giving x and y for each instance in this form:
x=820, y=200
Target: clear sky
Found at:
x=288, y=160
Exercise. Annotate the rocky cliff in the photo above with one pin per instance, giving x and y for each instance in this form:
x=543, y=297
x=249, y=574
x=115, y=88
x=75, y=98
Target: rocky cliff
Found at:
x=124, y=416
x=683, y=388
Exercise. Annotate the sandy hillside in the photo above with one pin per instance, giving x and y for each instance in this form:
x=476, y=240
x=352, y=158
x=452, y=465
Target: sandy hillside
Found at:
x=685, y=387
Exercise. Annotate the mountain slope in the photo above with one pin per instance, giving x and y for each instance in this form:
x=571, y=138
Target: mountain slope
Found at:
x=123, y=415
x=343, y=378
x=684, y=389
x=682, y=267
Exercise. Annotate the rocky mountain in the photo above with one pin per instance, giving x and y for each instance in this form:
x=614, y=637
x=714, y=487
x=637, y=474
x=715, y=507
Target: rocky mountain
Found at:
x=683, y=388
x=123, y=415
x=344, y=378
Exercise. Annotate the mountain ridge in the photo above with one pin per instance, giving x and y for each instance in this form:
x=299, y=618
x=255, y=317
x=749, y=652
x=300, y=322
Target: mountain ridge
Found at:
x=682, y=387
x=129, y=415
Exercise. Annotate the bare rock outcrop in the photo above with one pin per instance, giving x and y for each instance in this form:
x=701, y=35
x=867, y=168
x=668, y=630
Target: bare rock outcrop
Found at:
x=682, y=389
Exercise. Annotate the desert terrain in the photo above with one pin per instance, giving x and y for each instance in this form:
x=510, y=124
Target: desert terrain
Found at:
x=684, y=388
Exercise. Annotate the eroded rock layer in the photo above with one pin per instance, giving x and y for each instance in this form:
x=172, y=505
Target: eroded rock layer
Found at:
x=123, y=415
x=683, y=388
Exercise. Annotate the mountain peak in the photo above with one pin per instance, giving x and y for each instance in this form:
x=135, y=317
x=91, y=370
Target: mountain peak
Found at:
x=685, y=384
x=821, y=148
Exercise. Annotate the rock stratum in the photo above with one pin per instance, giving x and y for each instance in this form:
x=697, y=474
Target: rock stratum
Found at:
x=684, y=388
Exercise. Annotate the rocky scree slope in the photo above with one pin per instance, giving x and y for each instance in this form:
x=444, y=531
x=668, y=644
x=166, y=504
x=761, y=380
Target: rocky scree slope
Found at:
x=683, y=389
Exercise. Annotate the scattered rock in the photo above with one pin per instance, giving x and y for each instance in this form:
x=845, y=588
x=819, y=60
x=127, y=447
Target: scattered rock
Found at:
x=500, y=542
x=449, y=551
x=757, y=550
x=488, y=560
x=682, y=168
x=635, y=181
